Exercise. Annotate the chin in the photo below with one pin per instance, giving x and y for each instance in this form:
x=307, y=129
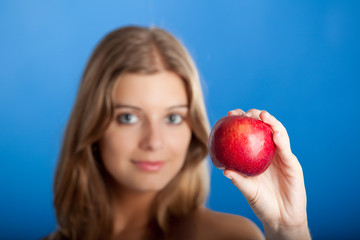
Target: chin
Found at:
x=147, y=185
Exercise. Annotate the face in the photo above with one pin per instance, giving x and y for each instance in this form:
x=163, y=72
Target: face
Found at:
x=145, y=145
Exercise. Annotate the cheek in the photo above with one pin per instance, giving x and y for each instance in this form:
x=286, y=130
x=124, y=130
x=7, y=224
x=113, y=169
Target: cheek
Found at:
x=115, y=148
x=179, y=142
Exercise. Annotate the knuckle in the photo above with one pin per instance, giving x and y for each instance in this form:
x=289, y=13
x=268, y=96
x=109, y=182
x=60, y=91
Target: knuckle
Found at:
x=255, y=113
x=253, y=110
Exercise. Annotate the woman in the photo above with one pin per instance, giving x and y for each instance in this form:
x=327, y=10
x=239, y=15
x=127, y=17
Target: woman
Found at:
x=133, y=160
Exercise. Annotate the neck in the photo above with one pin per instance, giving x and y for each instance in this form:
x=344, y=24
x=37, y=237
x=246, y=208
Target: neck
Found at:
x=132, y=210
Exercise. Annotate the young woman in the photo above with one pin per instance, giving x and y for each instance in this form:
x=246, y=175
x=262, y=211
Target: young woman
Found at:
x=133, y=160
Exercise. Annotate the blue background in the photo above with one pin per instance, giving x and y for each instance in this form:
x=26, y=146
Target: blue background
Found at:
x=297, y=59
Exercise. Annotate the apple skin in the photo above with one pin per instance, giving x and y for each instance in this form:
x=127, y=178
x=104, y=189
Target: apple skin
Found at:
x=242, y=144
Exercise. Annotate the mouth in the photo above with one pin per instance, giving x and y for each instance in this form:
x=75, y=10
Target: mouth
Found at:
x=148, y=166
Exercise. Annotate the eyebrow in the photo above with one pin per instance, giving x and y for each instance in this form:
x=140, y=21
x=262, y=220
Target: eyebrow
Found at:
x=117, y=106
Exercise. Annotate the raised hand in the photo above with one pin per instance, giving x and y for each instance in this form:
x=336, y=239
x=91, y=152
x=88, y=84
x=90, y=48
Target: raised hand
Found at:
x=277, y=196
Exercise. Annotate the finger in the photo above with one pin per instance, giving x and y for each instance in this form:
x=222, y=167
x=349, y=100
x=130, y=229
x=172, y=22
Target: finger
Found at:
x=238, y=112
x=275, y=124
x=279, y=132
x=243, y=183
x=280, y=137
x=253, y=113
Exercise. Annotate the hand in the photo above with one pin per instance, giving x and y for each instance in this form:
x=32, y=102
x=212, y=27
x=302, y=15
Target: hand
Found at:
x=277, y=196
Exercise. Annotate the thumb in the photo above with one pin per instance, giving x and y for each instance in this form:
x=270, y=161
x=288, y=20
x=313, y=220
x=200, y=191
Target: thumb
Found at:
x=245, y=184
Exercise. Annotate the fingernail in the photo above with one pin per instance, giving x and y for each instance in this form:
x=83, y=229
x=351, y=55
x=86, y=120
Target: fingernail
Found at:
x=227, y=175
x=230, y=113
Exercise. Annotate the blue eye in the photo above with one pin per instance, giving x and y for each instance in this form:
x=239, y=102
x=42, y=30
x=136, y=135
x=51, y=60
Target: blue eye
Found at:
x=174, y=119
x=127, y=118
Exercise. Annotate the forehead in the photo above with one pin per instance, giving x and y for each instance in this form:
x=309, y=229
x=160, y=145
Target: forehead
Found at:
x=163, y=88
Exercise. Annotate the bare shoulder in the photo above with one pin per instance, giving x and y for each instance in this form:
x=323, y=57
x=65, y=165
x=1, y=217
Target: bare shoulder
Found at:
x=216, y=225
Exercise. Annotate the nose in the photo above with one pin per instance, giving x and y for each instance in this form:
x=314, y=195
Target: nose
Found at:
x=152, y=137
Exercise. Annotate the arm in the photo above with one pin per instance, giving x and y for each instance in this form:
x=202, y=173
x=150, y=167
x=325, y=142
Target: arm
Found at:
x=277, y=196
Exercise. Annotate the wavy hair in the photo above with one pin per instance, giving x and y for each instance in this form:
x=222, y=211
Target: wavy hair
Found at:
x=81, y=196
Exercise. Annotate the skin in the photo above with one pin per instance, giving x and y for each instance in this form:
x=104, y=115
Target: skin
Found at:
x=151, y=124
x=277, y=196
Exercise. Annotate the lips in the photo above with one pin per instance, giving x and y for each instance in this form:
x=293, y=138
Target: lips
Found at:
x=148, y=166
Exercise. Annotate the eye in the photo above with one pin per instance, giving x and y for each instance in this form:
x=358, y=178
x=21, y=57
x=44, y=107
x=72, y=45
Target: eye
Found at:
x=174, y=119
x=127, y=118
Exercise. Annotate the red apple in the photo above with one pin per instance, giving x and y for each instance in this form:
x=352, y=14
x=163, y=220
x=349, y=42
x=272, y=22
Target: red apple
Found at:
x=242, y=144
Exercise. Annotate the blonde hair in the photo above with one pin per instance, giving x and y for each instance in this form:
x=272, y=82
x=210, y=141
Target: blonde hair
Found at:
x=81, y=198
